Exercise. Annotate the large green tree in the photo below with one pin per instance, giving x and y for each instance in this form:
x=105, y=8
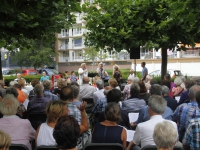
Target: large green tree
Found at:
x=21, y=20
x=128, y=24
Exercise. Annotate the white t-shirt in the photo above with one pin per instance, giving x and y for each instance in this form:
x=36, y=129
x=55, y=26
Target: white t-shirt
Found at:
x=82, y=73
x=144, y=131
x=45, y=136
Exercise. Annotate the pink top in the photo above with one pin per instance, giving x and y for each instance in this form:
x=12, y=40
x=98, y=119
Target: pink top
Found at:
x=176, y=91
x=20, y=130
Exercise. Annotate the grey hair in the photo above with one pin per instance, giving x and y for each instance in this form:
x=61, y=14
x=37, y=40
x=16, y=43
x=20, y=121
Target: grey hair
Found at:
x=75, y=91
x=157, y=104
x=135, y=89
x=100, y=84
x=136, y=79
x=178, y=81
x=12, y=83
x=39, y=89
x=149, y=77
x=182, y=78
x=46, y=84
x=165, y=135
x=165, y=90
x=9, y=105
x=192, y=91
x=155, y=89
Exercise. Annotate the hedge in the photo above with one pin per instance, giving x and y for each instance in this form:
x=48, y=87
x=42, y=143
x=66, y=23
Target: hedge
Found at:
x=28, y=78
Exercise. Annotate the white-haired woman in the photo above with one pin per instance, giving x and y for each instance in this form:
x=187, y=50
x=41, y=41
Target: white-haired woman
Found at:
x=165, y=136
x=82, y=71
x=148, y=79
x=20, y=130
x=178, y=89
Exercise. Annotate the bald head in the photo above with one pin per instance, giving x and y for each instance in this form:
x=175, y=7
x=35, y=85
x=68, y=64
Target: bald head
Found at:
x=86, y=80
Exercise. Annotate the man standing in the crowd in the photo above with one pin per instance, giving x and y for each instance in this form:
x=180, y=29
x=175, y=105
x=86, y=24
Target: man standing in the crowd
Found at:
x=101, y=71
x=132, y=73
x=44, y=77
x=82, y=72
x=144, y=71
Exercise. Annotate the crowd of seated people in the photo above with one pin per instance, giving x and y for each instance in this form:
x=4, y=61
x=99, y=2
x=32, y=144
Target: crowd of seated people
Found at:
x=64, y=107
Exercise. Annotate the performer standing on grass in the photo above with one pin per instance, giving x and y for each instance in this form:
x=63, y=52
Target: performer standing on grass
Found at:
x=82, y=72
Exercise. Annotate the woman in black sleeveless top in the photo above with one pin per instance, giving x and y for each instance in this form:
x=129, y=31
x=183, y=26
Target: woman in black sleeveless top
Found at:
x=108, y=131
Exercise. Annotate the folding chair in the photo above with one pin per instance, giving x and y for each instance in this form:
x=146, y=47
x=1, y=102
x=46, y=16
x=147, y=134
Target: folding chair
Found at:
x=104, y=146
x=153, y=147
x=90, y=104
x=47, y=148
x=36, y=119
x=18, y=147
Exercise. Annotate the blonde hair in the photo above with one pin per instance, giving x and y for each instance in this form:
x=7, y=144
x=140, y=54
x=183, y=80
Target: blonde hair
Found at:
x=113, y=82
x=9, y=105
x=83, y=64
x=47, y=84
x=5, y=140
x=22, y=82
x=165, y=135
x=61, y=83
x=54, y=110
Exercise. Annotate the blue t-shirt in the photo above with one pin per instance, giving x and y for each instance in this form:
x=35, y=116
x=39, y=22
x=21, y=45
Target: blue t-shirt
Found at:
x=144, y=70
x=44, y=78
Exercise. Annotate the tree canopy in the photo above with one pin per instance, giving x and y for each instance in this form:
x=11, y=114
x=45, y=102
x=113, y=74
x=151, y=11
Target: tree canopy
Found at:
x=125, y=24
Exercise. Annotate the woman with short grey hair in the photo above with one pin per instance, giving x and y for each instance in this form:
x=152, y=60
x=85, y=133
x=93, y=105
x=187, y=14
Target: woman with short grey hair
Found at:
x=165, y=135
x=20, y=130
x=178, y=89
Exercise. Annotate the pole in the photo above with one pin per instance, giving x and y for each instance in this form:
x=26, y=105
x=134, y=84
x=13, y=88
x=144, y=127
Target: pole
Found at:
x=135, y=66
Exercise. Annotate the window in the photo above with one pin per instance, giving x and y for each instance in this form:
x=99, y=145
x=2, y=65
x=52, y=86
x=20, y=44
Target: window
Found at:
x=77, y=31
x=78, y=42
x=64, y=32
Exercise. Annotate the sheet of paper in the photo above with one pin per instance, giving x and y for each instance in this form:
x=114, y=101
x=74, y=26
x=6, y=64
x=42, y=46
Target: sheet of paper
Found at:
x=177, y=98
x=133, y=117
x=130, y=135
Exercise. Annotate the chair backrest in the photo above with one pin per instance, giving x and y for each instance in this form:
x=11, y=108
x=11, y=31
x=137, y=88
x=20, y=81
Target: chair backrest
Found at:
x=18, y=147
x=88, y=100
x=153, y=147
x=104, y=146
x=36, y=119
x=47, y=148
x=90, y=104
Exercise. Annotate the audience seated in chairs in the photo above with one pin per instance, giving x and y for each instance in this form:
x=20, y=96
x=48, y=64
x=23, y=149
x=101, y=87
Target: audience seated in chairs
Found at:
x=184, y=96
x=66, y=133
x=5, y=140
x=168, y=78
x=165, y=135
x=47, y=86
x=177, y=90
x=20, y=130
x=127, y=87
x=143, y=113
x=114, y=95
x=32, y=93
x=99, y=94
x=54, y=110
x=143, y=92
x=113, y=84
x=2, y=89
x=108, y=131
x=60, y=84
x=187, y=111
x=144, y=131
x=21, y=108
x=171, y=103
x=133, y=103
x=39, y=102
x=148, y=80
x=192, y=136
x=86, y=90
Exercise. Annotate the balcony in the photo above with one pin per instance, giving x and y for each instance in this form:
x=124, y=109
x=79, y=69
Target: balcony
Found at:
x=63, y=47
x=63, y=35
x=63, y=59
x=78, y=45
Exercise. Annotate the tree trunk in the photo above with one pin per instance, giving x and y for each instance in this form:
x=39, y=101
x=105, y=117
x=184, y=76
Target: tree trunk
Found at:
x=164, y=63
